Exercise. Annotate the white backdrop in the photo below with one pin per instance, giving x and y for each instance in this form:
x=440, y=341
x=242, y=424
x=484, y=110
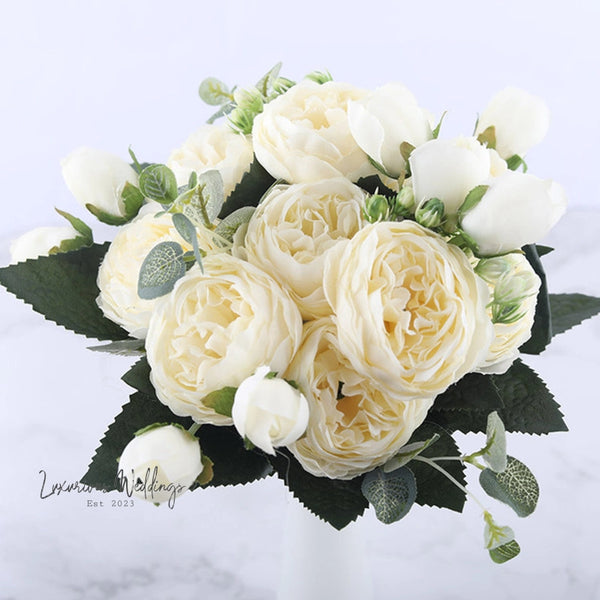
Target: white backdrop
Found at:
x=115, y=73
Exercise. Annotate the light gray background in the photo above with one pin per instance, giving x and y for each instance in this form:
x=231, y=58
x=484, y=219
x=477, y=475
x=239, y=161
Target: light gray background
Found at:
x=116, y=73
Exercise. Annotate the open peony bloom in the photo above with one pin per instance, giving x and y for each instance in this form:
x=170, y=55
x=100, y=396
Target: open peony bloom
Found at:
x=269, y=411
x=160, y=464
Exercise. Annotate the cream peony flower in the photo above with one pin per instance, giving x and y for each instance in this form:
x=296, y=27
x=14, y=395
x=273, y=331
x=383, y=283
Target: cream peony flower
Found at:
x=509, y=337
x=292, y=230
x=304, y=135
x=213, y=147
x=39, y=242
x=214, y=330
x=353, y=426
x=409, y=310
x=119, y=271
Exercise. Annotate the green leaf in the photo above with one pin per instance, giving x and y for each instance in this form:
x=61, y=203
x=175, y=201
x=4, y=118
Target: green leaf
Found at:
x=406, y=150
x=506, y=552
x=541, y=331
x=436, y=131
x=336, y=501
x=132, y=200
x=433, y=488
x=391, y=494
x=494, y=535
x=187, y=230
x=380, y=167
x=138, y=413
x=63, y=288
x=495, y=450
x=488, y=137
x=265, y=83
x=214, y=92
x=472, y=199
x=224, y=110
x=569, y=310
x=107, y=218
x=516, y=161
x=473, y=392
x=319, y=77
x=121, y=348
x=233, y=464
x=515, y=486
x=213, y=196
x=80, y=227
x=255, y=182
x=160, y=270
x=407, y=453
x=231, y=223
x=158, y=182
x=543, y=250
x=138, y=377
x=221, y=401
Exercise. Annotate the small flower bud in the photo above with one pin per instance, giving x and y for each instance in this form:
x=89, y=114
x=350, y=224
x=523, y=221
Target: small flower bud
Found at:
x=431, y=213
x=491, y=269
x=282, y=85
x=376, y=208
x=510, y=292
x=320, y=77
x=403, y=203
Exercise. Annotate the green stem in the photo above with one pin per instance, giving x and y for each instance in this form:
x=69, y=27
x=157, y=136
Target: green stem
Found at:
x=194, y=428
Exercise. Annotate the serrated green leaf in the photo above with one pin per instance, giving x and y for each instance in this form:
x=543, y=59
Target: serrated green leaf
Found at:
x=158, y=182
x=231, y=223
x=488, y=137
x=63, y=288
x=121, y=348
x=391, y=494
x=138, y=413
x=254, y=184
x=336, y=501
x=569, y=310
x=433, y=488
x=515, y=486
x=506, y=552
x=473, y=392
x=138, y=377
x=161, y=269
x=407, y=453
x=133, y=199
x=221, y=401
x=472, y=199
x=214, y=92
x=495, y=450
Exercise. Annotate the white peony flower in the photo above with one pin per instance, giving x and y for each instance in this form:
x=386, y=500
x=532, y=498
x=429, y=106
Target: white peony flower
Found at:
x=450, y=169
x=213, y=147
x=214, y=330
x=269, y=411
x=520, y=121
x=97, y=178
x=385, y=119
x=292, y=230
x=517, y=209
x=409, y=309
x=353, y=426
x=119, y=271
x=509, y=337
x=303, y=135
x=39, y=242
x=160, y=464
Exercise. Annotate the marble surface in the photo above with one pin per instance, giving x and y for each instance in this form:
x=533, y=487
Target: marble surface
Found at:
x=225, y=544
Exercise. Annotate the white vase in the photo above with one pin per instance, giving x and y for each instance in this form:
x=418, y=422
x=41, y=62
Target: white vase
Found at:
x=321, y=563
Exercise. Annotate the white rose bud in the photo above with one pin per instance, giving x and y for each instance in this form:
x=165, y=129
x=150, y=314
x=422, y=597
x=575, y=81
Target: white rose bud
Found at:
x=39, y=242
x=517, y=209
x=269, y=411
x=160, y=464
x=385, y=119
x=97, y=178
x=520, y=121
x=449, y=170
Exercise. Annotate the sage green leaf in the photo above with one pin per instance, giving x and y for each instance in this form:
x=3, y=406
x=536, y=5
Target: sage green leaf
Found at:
x=221, y=401
x=495, y=451
x=158, y=182
x=63, y=288
x=472, y=199
x=408, y=452
x=506, y=552
x=213, y=195
x=187, y=230
x=133, y=199
x=231, y=223
x=541, y=330
x=122, y=348
x=488, y=137
x=515, y=486
x=163, y=266
x=224, y=110
x=336, y=501
x=214, y=92
x=495, y=535
x=391, y=494
x=138, y=413
x=569, y=310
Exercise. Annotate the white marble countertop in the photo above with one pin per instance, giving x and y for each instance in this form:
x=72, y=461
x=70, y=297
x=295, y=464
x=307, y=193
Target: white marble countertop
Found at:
x=225, y=544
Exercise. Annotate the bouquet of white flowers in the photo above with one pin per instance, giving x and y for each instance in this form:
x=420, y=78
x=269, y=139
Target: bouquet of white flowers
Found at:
x=320, y=288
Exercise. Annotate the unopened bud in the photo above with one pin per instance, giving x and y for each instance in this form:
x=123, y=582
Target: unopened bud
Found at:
x=282, y=85
x=319, y=77
x=404, y=202
x=491, y=269
x=376, y=208
x=431, y=213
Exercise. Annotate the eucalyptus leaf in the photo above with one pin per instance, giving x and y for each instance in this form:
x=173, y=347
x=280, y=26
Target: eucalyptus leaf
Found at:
x=158, y=183
x=495, y=535
x=505, y=552
x=391, y=494
x=231, y=223
x=163, y=266
x=495, y=451
x=224, y=110
x=408, y=452
x=515, y=486
x=122, y=348
x=213, y=195
x=214, y=92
